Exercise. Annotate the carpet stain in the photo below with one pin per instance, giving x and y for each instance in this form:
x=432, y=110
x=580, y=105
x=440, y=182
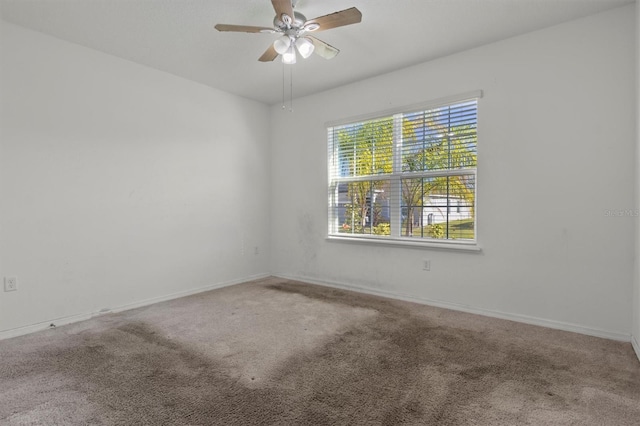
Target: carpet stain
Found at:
x=404, y=369
x=397, y=367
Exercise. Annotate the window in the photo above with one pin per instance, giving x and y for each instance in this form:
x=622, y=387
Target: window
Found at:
x=407, y=176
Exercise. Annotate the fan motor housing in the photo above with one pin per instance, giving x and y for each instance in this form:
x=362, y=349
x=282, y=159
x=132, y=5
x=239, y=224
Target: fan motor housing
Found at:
x=298, y=21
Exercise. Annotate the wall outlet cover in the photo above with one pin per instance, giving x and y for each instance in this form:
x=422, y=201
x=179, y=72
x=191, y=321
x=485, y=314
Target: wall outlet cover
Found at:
x=426, y=265
x=10, y=284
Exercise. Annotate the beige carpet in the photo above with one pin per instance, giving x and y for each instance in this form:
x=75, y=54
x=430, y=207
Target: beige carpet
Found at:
x=276, y=352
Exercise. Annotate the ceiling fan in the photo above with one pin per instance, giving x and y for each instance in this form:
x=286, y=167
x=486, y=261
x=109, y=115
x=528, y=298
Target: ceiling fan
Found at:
x=294, y=29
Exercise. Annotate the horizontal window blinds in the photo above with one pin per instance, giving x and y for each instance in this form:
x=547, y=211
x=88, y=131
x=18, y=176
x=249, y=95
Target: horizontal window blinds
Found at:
x=407, y=175
x=363, y=149
x=440, y=139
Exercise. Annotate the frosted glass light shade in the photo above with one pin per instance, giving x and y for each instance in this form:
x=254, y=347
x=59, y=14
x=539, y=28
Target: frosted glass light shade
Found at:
x=305, y=47
x=282, y=44
x=289, y=57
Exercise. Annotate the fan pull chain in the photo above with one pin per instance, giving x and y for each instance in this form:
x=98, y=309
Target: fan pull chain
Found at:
x=291, y=88
x=283, y=107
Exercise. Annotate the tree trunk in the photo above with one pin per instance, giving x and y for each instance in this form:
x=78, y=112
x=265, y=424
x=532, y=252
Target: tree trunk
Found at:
x=409, y=221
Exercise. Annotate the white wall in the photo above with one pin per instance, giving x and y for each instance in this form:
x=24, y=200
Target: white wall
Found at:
x=636, y=287
x=557, y=136
x=121, y=184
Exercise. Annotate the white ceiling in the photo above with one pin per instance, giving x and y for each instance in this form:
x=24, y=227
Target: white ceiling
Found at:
x=177, y=36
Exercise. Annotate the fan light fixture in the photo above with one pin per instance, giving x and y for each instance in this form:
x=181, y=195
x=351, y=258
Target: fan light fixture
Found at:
x=289, y=57
x=284, y=46
x=305, y=47
x=281, y=45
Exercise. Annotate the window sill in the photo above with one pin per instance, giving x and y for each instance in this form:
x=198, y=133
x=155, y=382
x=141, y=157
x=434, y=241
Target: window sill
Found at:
x=408, y=242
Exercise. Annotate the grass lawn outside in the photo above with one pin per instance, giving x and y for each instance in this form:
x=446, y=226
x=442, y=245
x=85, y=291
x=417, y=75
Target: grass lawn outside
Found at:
x=458, y=230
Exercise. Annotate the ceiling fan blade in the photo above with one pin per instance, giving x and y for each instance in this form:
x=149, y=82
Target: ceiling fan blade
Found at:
x=337, y=19
x=243, y=28
x=269, y=55
x=323, y=49
x=283, y=6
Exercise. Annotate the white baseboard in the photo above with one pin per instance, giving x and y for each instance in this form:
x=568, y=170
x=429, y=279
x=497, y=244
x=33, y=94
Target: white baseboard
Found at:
x=636, y=345
x=558, y=325
x=15, y=332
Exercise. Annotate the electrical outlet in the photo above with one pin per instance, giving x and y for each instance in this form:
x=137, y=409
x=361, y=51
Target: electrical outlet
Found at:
x=426, y=265
x=10, y=284
x=256, y=250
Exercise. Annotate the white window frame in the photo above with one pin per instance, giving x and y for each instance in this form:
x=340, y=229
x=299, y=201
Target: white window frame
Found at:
x=396, y=239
